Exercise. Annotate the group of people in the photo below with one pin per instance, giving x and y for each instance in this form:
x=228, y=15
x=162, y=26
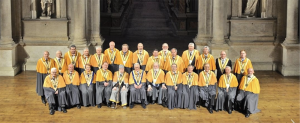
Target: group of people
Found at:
x=126, y=78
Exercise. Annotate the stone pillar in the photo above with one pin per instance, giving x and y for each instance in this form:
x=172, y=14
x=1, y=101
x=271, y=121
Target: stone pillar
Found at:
x=218, y=22
x=58, y=10
x=96, y=36
x=292, y=22
x=79, y=27
x=33, y=9
x=6, y=27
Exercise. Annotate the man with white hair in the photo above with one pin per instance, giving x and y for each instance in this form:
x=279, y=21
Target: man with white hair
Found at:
x=137, y=86
x=174, y=59
x=165, y=53
x=205, y=58
x=156, y=85
x=111, y=53
x=140, y=56
x=72, y=57
x=72, y=81
x=43, y=67
x=60, y=63
x=222, y=63
x=190, y=90
x=125, y=58
x=98, y=59
x=190, y=56
x=103, y=86
x=154, y=58
x=55, y=92
x=247, y=98
x=226, y=91
x=84, y=59
x=242, y=65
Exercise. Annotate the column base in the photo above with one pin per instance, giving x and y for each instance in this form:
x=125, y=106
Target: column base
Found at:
x=290, y=60
x=217, y=48
x=98, y=41
x=10, y=64
x=201, y=41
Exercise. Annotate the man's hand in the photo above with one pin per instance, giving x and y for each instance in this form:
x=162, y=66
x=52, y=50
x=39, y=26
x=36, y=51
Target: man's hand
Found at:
x=149, y=88
x=56, y=92
x=140, y=86
x=226, y=89
x=135, y=86
x=106, y=83
x=164, y=87
x=175, y=87
x=124, y=88
x=115, y=88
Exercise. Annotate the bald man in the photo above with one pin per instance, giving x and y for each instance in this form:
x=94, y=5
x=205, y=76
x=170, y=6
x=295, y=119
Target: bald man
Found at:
x=72, y=81
x=72, y=57
x=140, y=56
x=165, y=53
x=43, y=68
x=205, y=58
x=241, y=65
x=84, y=59
x=111, y=53
x=190, y=56
x=247, y=98
x=60, y=63
x=98, y=59
x=222, y=63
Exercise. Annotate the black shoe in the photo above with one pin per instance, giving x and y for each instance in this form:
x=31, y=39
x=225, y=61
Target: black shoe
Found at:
x=164, y=104
x=217, y=110
x=210, y=110
x=131, y=105
x=79, y=106
x=247, y=115
x=113, y=105
x=229, y=111
x=52, y=111
x=99, y=106
x=43, y=100
x=64, y=110
x=153, y=102
x=144, y=105
x=108, y=105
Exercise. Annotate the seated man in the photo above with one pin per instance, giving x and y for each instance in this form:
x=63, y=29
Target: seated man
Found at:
x=208, y=83
x=55, y=91
x=103, y=85
x=120, y=81
x=137, y=86
x=88, y=86
x=71, y=78
x=174, y=85
x=190, y=89
x=226, y=91
x=156, y=86
x=249, y=90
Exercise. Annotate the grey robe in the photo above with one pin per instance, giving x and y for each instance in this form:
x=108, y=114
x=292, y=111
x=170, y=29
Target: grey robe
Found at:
x=174, y=96
x=224, y=98
x=39, y=83
x=122, y=95
x=103, y=92
x=193, y=96
x=250, y=101
x=73, y=94
x=206, y=93
x=185, y=97
x=157, y=93
x=61, y=101
x=137, y=95
x=88, y=94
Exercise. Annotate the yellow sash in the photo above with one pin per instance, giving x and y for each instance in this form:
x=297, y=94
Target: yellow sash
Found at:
x=46, y=64
x=189, y=79
x=138, y=78
x=228, y=81
x=112, y=55
x=99, y=61
x=242, y=65
x=174, y=78
x=222, y=66
x=164, y=55
x=124, y=59
x=190, y=58
x=104, y=75
x=247, y=82
x=205, y=60
x=141, y=56
x=54, y=82
x=207, y=79
x=88, y=77
x=120, y=78
x=158, y=59
x=73, y=61
x=60, y=64
x=155, y=76
x=84, y=61
x=71, y=77
x=173, y=61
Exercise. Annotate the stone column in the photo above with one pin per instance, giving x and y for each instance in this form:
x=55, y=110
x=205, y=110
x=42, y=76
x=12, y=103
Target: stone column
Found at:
x=58, y=10
x=33, y=9
x=292, y=22
x=218, y=22
x=79, y=27
x=6, y=27
x=96, y=36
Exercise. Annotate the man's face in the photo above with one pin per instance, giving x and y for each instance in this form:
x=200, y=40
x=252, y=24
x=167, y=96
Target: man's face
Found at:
x=155, y=53
x=227, y=70
x=71, y=68
x=190, y=69
x=53, y=73
x=205, y=50
x=206, y=67
x=46, y=55
x=58, y=54
x=223, y=55
x=174, y=68
x=124, y=48
x=140, y=47
x=88, y=68
x=191, y=48
x=105, y=66
x=174, y=53
x=136, y=67
x=165, y=47
x=121, y=70
x=243, y=54
x=111, y=45
x=250, y=71
x=73, y=50
x=155, y=66
x=86, y=52
x=98, y=50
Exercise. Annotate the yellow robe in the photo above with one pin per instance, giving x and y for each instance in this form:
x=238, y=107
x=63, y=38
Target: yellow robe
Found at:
x=126, y=77
x=212, y=78
x=185, y=79
x=237, y=66
x=44, y=68
x=83, y=61
x=48, y=83
x=101, y=78
x=98, y=63
x=210, y=60
x=161, y=53
x=131, y=79
x=83, y=80
x=62, y=64
x=144, y=57
x=253, y=86
x=75, y=80
x=223, y=80
x=178, y=61
x=128, y=59
x=111, y=55
x=160, y=78
x=186, y=57
x=169, y=81
x=68, y=58
x=151, y=61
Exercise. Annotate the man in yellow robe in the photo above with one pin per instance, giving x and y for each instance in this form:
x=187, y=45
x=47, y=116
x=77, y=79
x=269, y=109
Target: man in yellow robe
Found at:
x=226, y=91
x=205, y=58
x=43, y=68
x=72, y=81
x=60, y=63
x=190, y=56
x=72, y=56
x=174, y=59
x=111, y=53
x=156, y=85
x=140, y=56
x=125, y=58
x=88, y=86
x=98, y=59
x=120, y=81
x=137, y=86
x=247, y=98
x=165, y=53
x=55, y=92
x=222, y=63
x=207, y=87
x=241, y=66
x=154, y=58
x=190, y=89
x=103, y=85
x=83, y=60
x=174, y=85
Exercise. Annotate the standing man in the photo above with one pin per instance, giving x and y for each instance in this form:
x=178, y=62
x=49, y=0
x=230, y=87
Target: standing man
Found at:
x=125, y=58
x=174, y=59
x=88, y=86
x=174, y=85
x=98, y=59
x=249, y=90
x=60, y=63
x=43, y=67
x=165, y=53
x=72, y=56
x=153, y=59
x=84, y=59
x=221, y=64
x=208, y=84
x=205, y=58
x=103, y=85
x=72, y=81
x=140, y=56
x=241, y=66
x=190, y=56
x=111, y=53
x=137, y=86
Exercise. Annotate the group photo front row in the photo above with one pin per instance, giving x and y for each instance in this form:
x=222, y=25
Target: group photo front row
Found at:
x=127, y=78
